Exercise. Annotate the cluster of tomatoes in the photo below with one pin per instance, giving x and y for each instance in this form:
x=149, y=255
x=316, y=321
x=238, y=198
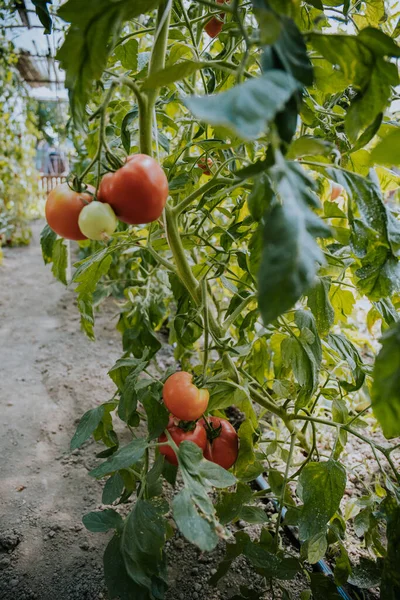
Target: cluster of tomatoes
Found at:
x=187, y=403
x=136, y=194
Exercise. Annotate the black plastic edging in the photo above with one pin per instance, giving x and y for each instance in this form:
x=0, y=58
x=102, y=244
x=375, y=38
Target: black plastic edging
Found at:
x=321, y=565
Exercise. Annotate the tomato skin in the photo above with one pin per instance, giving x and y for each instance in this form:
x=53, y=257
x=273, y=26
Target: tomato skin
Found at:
x=137, y=192
x=198, y=436
x=336, y=190
x=97, y=221
x=63, y=207
x=205, y=165
x=214, y=25
x=222, y=450
x=183, y=399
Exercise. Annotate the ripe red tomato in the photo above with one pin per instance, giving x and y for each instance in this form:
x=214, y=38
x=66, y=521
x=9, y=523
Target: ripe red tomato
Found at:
x=197, y=435
x=214, y=25
x=205, y=165
x=137, y=192
x=63, y=207
x=223, y=449
x=182, y=398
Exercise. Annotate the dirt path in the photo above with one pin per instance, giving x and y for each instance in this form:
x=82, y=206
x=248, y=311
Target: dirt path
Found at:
x=49, y=375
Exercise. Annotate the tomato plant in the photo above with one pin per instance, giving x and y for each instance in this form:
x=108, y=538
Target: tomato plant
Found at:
x=272, y=296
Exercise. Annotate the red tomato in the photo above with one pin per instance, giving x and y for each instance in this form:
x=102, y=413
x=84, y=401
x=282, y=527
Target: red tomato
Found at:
x=63, y=207
x=197, y=435
x=336, y=190
x=205, y=166
x=223, y=449
x=214, y=25
x=137, y=192
x=183, y=399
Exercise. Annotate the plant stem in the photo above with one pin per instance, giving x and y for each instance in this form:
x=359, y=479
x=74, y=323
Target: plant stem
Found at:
x=285, y=480
x=186, y=202
x=204, y=295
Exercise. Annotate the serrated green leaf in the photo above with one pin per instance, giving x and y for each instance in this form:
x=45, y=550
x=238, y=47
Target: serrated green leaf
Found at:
x=102, y=521
x=386, y=383
x=47, y=240
x=60, y=261
x=322, y=487
x=122, y=459
x=247, y=108
x=88, y=423
x=95, y=26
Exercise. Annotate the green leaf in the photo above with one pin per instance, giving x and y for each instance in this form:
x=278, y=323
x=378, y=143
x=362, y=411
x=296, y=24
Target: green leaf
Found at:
x=194, y=527
x=230, y=503
x=247, y=467
x=95, y=26
x=348, y=352
x=88, y=423
x=217, y=476
x=157, y=414
x=247, y=108
x=113, y=489
x=127, y=367
x=375, y=235
x=290, y=254
x=385, y=392
x=270, y=565
x=291, y=52
x=372, y=100
x=171, y=73
x=253, y=515
x=307, y=145
x=60, y=261
x=390, y=586
x=316, y=548
x=323, y=588
x=47, y=240
x=387, y=151
x=366, y=574
x=102, y=521
x=142, y=542
x=319, y=303
x=127, y=54
x=42, y=11
x=322, y=487
x=194, y=512
x=122, y=459
x=361, y=60
x=88, y=273
x=342, y=567
x=260, y=197
x=118, y=582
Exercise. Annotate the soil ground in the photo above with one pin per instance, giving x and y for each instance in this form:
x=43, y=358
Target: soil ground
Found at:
x=50, y=374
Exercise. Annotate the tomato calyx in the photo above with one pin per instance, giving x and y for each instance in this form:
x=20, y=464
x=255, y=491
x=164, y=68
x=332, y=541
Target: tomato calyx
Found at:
x=115, y=162
x=187, y=425
x=211, y=431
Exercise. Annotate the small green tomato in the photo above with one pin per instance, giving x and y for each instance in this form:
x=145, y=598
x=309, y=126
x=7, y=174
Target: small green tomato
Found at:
x=97, y=221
